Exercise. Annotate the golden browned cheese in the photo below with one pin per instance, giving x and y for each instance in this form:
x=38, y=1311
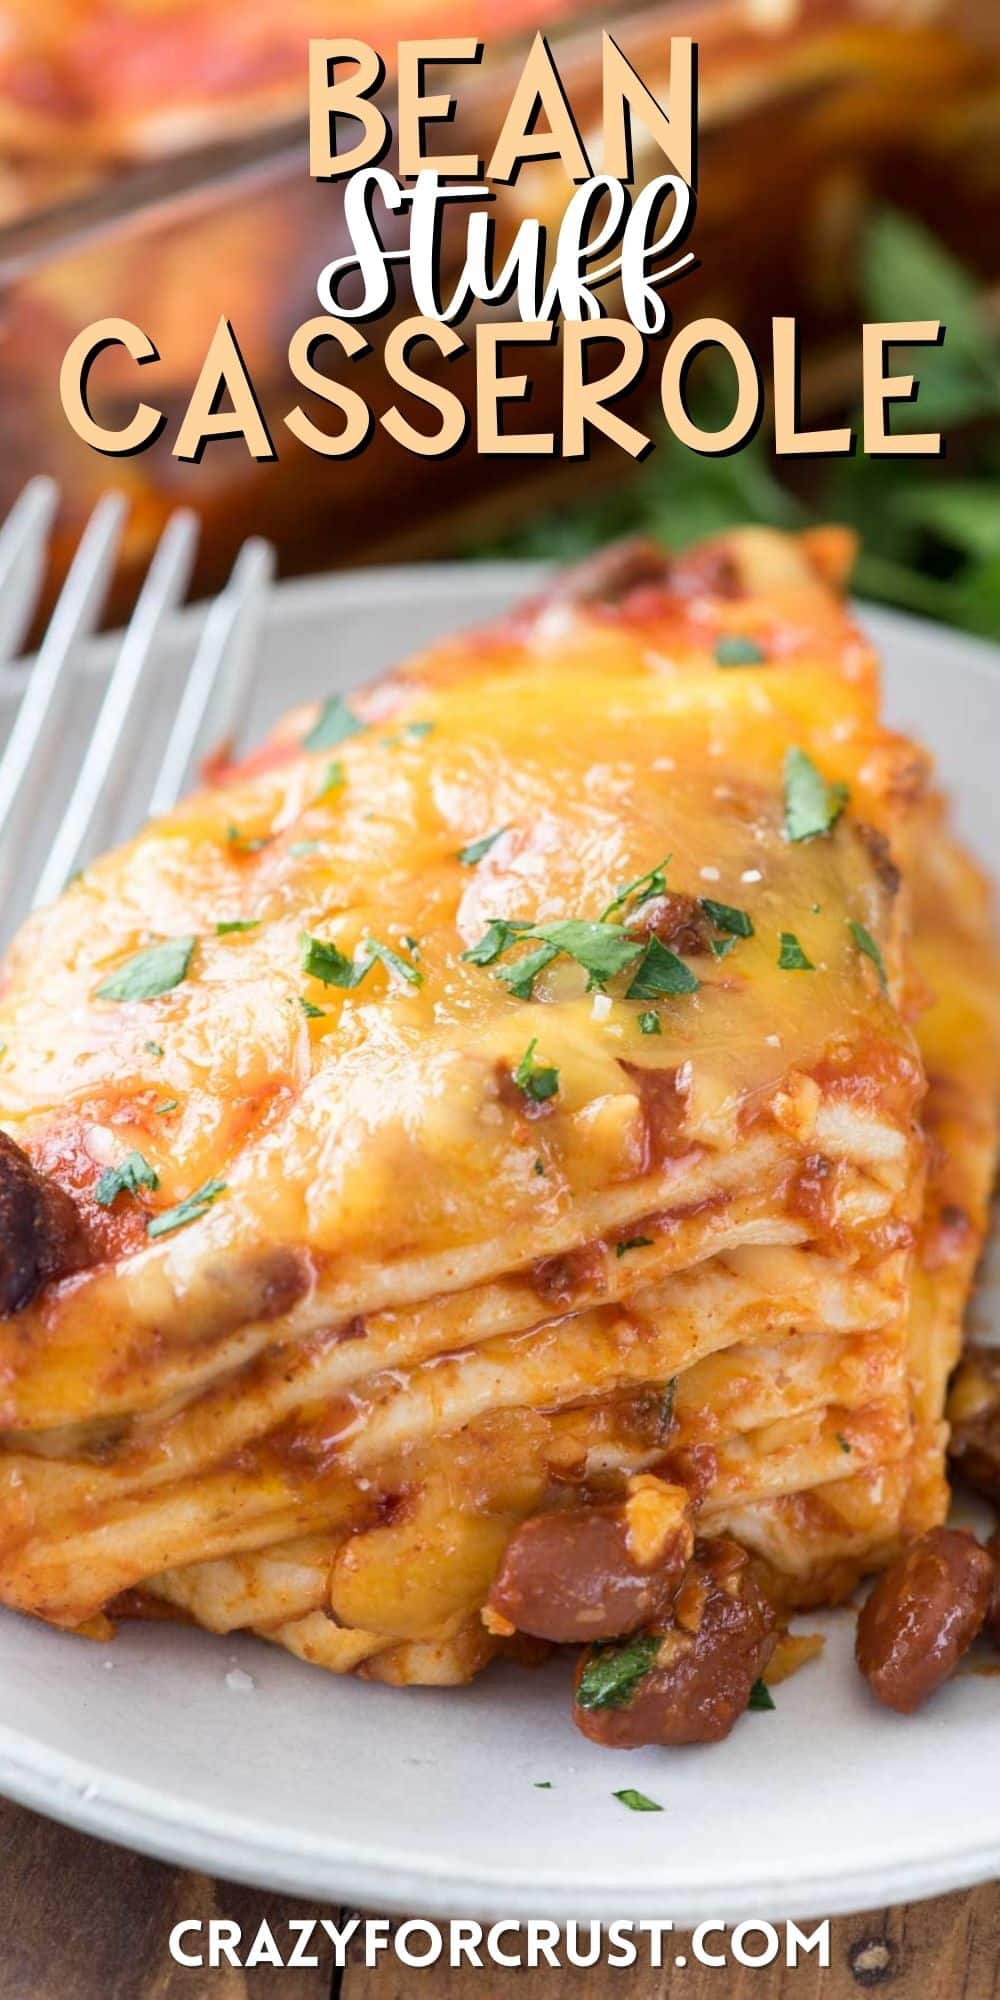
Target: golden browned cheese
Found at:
x=420, y=1299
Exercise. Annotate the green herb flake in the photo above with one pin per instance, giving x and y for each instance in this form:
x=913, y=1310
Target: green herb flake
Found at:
x=653, y=883
x=539, y=1167
x=543, y=1784
x=303, y=847
x=602, y=949
x=733, y=650
x=393, y=962
x=721, y=947
x=497, y=938
x=613, y=1673
x=311, y=1013
x=149, y=973
x=191, y=1209
x=334, y=724
x=649, y=1023
x=538, y=1081
x=632, y=1243
x=791, y=957
x=247, y=843
x=153, y=1048
x=520, y=979
x=331, y=781
x=866, y=943
x=468, y=856
x=760, y=1697
x=131, y=1174
x=812, y=806
x=323, y=961
x=232, y=924
x=661, y=972
x=169, y=1104
x=636, y=1801
x=844, y=1443
x=737, y=923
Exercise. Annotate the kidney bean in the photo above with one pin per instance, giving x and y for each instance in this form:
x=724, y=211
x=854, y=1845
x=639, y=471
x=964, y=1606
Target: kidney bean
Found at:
x=993, y=1614
x=41, y=1232
x=688, y=1679
x=596, y=1572
x=922, y=1615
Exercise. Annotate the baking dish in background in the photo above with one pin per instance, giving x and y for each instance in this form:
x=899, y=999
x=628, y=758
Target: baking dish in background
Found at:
x=811, y=112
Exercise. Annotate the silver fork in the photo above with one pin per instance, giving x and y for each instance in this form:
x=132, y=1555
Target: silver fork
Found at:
x=212, y=697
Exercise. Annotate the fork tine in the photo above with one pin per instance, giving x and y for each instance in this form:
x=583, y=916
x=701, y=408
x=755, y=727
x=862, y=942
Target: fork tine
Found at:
x=93, y=794
x=24, y=540
x=42, y=708
x=214, y=691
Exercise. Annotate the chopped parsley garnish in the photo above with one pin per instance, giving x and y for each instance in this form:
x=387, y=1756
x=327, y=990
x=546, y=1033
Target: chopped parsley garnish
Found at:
x=760, y=1696
x=791, y=957
x=653, y=883
x=151, y=972
x=334, y=724
x=131, y=1174
x=733, y=650
x=169, y=1104
x=811, y=805
x=661, y=972
x=537, y=1080
x=227, y=924
x=497, y=938
x=311, y=1013
x=738, y=923
x=332, y=780
x=543, y=1784
x=721, y=947
x=602, y=949
x=539, y=1166
x=612, y=1673
x=191, y=1209
x=323, y=961
x=247, y=843
x=468, y=856
x=520, y=978
x=632, y=1243
x=636, y=1801
x=649, y=1023
x=866, y=943
x=844, y=1443
x=303, y=847
x=393, y=962
x=153, y=1048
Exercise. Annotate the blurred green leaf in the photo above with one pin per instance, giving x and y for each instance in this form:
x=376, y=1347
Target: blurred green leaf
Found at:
x=963, y=513
x=907, y=274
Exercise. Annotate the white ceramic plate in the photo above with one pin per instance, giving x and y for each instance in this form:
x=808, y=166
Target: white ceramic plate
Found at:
x=232, y=1757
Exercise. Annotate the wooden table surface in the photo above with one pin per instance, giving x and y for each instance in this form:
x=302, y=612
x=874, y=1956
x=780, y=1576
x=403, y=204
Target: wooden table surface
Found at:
x=86, y=1921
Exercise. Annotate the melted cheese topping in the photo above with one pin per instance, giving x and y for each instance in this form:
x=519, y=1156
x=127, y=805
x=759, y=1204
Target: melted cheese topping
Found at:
x=382, y=1123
